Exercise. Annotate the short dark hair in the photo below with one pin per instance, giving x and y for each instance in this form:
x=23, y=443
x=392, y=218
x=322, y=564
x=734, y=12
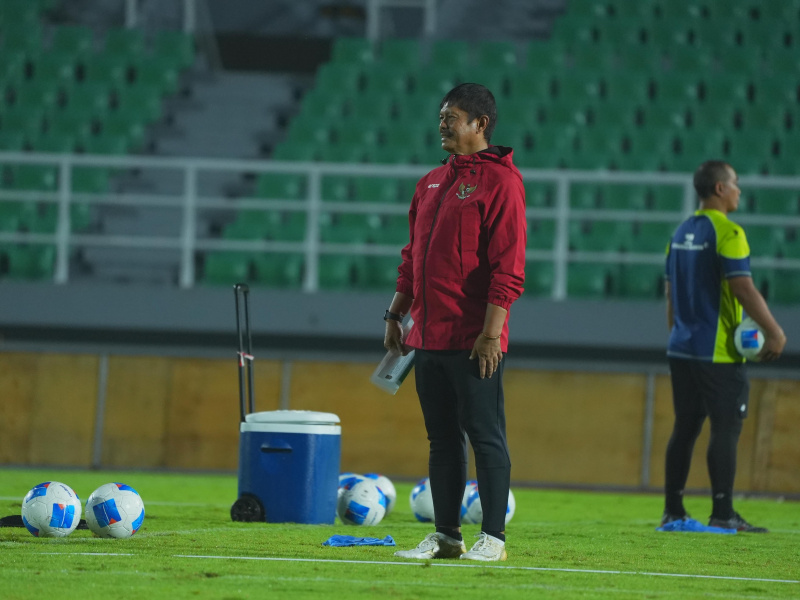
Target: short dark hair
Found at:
x=708, y=175
x=476, y=100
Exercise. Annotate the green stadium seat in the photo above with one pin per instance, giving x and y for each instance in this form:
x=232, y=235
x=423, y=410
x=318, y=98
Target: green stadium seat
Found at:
x=588, y=280
x=344, y=153
x=53, y=68
x=744, y=60
x=677, y=88
x=120, y=124
x=227, y=268
x=370, y=108
x=381, y=272
x=584, y=196
x=641, y=61
x=351, y=50
x=539, y=278
x=392, y=155
x=541, y=234
x=338, y=77
x=725, y=89
x=627, y=86
x=283, y=271
x=549, y=56
x=595, y=59
x=577, y=87
x=126, y=43
x=667, y=198
x=74, y=40
x=157, y=73
x=12, y=141
x=34, y=177
x=782, y=165
x=402, y=54
x=143, y=100
x=668, y=115
x=385, y=190
x=26, y=38
x=92, y=180
x=599, y=236
x=290, y=227
x=539, y=194
x=755, y=148
x=56, y=142
x=450, y=55
x=786, y=288
x=708, y=117
x=651, y=237
x=43, y=94
x=340, y=272
x=434, y=82
x=249, y=225
x=765, y=240
x=775, y=201
x=94, y=97
x=496, y=55
x=30, y=262
x=394, y=230
x=348, y=228
x=108, y=144
x=175, y=47
x=77, y=123
x=641, y=282
x=337, y=188
x=494, y=79
x=290, y=150
x=531, y=87
x=28, y=120
x=364, y=135
x=282, y=186
x=624, y=197
x=107, y=70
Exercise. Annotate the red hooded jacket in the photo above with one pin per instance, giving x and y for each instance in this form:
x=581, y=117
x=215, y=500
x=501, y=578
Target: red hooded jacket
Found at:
x=467, y=248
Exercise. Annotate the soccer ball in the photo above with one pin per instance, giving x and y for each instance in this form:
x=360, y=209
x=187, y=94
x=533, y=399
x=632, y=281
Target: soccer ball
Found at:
x=748, y=339
x=361, y=503
x=472, y=512
x=51, y=509
x=114, y=510
x=421, y=501
x=346, y=479
x=471, y=485
x=387, y=487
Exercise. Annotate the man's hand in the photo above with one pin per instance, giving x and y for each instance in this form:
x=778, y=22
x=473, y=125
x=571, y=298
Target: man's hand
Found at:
x=393, y=338
x=488, y=353
x=773, y=346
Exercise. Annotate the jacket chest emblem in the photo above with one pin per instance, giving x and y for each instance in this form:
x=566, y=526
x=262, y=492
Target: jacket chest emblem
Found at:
x=465, y=190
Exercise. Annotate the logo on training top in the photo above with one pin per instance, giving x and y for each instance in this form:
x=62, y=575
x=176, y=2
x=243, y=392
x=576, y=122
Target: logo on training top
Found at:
x=465, y=190
x=688, y=244
x=433, y=185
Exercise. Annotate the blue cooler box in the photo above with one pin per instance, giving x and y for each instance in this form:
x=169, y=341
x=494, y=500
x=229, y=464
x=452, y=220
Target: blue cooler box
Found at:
x=289, y=461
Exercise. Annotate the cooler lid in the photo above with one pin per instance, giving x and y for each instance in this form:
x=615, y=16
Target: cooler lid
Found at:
x=296, y=417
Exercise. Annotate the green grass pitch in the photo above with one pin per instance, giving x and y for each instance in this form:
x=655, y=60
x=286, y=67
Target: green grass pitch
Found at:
x=561, y=544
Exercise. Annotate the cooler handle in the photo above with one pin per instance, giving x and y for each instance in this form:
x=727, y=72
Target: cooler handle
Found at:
x=267, y=449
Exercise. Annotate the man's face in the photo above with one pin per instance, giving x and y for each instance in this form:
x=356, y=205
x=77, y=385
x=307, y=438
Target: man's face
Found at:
x=459, y=134
x=728, y=190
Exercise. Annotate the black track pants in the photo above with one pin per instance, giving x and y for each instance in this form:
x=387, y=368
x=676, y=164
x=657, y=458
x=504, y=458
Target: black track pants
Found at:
x=456, y=401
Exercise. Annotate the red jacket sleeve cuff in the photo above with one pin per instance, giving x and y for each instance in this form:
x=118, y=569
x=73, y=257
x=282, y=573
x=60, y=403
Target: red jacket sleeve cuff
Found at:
x=501, y=301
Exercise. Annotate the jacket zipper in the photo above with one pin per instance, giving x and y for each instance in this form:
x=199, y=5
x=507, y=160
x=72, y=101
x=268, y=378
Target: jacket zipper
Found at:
x=425, y=259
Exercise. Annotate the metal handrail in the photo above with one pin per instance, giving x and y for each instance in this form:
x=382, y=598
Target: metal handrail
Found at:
x=187, y=243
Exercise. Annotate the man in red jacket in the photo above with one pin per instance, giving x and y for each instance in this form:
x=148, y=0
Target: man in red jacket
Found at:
x=462, y=268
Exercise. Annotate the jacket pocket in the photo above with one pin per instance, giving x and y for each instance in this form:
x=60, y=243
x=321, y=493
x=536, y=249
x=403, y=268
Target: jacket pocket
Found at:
x=470, y=234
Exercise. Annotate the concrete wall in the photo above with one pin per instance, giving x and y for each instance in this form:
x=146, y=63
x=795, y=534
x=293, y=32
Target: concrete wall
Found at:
x=592, y=427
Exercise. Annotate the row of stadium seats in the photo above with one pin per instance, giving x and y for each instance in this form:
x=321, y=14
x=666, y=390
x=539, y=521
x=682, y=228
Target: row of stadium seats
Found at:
x=588, y=196
x=340, y=272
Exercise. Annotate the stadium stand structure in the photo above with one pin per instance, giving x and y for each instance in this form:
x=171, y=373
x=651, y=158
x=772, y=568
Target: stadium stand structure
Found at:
x=644, y=86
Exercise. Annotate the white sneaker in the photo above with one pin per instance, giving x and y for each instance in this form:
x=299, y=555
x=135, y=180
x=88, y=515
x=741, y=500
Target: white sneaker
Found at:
x=435, y=545
x=487, y=548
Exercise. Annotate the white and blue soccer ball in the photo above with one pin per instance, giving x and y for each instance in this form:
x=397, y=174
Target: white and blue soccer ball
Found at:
x=51, y=509
x=387, y=487
x=748, y=339
x=346, y=479
x=421, y=501
x=361, y=503
x=472, y=512
x=114, y=510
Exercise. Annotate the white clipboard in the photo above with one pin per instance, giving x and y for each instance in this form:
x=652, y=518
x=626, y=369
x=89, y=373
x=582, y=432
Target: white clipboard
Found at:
x=393, y=369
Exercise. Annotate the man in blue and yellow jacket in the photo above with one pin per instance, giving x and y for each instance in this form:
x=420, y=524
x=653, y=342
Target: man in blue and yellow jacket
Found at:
x=708, y=283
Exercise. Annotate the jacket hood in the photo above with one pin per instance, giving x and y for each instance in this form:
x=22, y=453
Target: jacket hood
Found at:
x=498, y=155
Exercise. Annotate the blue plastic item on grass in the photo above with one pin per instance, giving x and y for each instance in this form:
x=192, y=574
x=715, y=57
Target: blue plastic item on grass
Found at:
x=694, y=526
x=351, y=540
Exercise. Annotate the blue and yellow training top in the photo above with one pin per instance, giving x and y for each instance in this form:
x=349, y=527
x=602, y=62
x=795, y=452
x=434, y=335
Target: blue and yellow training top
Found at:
x=705, y=251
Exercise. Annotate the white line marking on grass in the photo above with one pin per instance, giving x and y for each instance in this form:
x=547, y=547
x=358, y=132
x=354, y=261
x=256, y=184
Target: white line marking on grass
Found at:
x=483, y=566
